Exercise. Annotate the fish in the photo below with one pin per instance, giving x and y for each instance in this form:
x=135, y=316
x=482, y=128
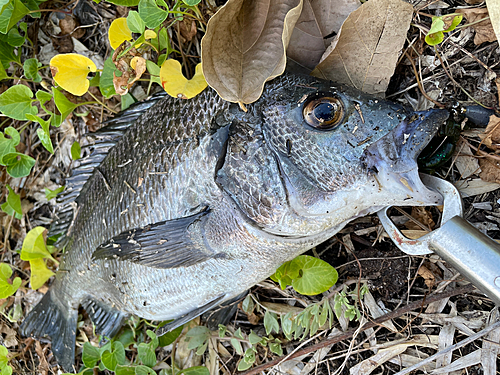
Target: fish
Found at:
x=185, y=204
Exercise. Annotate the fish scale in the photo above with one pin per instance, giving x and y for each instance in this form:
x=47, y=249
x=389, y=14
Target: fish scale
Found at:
x=198, y=201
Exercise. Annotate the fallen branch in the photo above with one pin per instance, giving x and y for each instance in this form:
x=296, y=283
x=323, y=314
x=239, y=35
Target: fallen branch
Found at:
x=376, y=322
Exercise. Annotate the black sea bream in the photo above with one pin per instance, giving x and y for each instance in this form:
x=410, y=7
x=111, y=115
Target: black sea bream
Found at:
x=196, y=200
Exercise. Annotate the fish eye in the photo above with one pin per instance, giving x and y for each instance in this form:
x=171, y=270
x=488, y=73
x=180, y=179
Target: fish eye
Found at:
x=323, y=113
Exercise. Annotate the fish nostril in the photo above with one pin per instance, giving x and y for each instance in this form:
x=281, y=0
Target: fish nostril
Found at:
x=373, y=170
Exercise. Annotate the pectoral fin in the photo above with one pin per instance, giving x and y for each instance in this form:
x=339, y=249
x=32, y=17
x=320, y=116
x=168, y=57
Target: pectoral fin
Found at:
x=167, y=244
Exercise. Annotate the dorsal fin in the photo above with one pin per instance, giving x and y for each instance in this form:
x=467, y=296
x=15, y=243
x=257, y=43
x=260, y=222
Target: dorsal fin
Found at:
x=98, y=146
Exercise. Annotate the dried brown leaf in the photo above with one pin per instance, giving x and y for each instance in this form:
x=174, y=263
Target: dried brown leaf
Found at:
x=484, y=29
x=465, y=161
x=428, y=276
x=365, y=53
x=331, y=14
x=306, y=44
x=188, y=29
x=245, y=45
x=490, y=170
x=422, y=215
x=494, y=12
x=319, y=19
x=491, y=135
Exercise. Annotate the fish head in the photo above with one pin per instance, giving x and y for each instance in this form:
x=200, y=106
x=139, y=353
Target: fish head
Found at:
x=342, y=153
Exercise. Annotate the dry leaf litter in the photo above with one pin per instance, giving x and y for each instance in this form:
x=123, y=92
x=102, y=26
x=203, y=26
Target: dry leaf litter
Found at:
x=451, y=335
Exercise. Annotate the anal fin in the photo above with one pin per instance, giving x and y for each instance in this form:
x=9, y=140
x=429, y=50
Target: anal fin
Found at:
x=167, y=244
x=107, y=320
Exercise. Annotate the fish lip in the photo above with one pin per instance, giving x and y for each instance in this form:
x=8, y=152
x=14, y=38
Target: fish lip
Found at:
x=392, y=160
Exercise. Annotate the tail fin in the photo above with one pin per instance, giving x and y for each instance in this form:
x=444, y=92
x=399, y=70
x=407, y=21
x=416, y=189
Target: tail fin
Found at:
x=51, y=318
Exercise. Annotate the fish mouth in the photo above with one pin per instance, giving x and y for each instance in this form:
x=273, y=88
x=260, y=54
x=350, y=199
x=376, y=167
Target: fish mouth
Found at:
x=392, y=160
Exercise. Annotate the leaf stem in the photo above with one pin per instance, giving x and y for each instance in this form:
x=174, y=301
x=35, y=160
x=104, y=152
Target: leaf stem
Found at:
x=101, y=103
x=420, y=86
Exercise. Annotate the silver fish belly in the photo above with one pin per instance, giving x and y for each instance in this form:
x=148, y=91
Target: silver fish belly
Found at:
x=198, y=201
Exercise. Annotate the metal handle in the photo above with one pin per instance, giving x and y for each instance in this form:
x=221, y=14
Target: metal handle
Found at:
x=472, y=253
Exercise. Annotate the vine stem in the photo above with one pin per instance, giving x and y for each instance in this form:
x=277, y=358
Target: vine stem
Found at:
x=101, y=103
x=371, y=324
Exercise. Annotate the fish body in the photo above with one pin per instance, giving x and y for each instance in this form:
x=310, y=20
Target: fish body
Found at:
x=198, y=201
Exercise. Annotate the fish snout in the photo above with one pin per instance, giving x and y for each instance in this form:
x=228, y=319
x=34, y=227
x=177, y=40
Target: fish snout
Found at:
x=392, y=160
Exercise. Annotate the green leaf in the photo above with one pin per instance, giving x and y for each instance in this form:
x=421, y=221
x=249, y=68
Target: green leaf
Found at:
x=106, y=82
x=34, y=245
x=7, y=289
x=115, y=357
x=191, y=3
x=49, y=194
x=31, y=70
x=126, y=3
x=16, y=102
x=5, y=369
x=316, y=276
x=90, y=355
x=198, y=335
x=14, y=201
x=254, y=338
x=286, y=273
x=44, y=132
x=76, y=151
x=18, y=165
x=287, y=324
x=95, y=80
x=434, y=38
x=222, y=330
x=276, y=348
x=237, y=346
x=43, y=97
x=126, y=338
x=7, y=145
x=271, y=322
x=125, y=370
x=196, y=370
x=14, y=38
x=39, y=273
x=33, y=5
x=248, y=305
x=7, y=54
x=64, y=106
x=152, y=15
x=169, y=337
x=127, y=101
x=154, y=339
x=143, y=370
x=153, y=69
x=135, y=22
x=244, y=365
x=146, y=355
x=238, y=334
x=164, y=44
x=10, y=211
x=3, y=73
x=11, y=14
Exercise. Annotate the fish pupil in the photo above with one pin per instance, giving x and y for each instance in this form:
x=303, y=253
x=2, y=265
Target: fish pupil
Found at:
x=324, y=112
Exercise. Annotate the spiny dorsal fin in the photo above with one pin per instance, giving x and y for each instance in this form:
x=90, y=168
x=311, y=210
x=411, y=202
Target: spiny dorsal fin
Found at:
x=98, y=146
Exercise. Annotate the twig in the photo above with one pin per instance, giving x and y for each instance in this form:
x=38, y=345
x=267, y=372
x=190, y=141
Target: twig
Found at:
x=420, y=86
x=348, y=334
x=460, y=344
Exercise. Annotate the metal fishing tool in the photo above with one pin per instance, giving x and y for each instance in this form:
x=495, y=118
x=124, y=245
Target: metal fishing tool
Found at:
x=472, y=253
